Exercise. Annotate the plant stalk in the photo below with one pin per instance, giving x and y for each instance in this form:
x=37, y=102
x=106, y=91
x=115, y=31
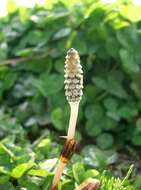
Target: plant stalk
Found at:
x=59, y=170
x=73, y=91
x=74, y=106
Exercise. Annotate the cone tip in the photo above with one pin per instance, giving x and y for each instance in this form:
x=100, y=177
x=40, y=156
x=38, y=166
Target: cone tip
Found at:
x=71, y=51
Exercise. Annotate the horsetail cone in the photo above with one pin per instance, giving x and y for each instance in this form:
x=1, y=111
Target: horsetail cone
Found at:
x=73, y=76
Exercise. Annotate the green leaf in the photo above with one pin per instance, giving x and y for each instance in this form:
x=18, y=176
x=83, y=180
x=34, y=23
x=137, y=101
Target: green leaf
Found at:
x=128, y=61
x=138, y=125
x=44, y=143
x=25, y=52
x=7, y=158
x=100, y=83
x=66, y=184
x=112, y=85
x=35, y=65
x=94, y=115
x=62, y=33
x=49, y=84
x=30, y=183
x=111, y=104
x=91, y=173
x=94, y=111
x=38, y=172
x=94, y=157
x=57, y=118
x=115, y=87
x=9, y=80
x=128, y=37
x=90, y=93
x=3, y=169
x=105, y=141
x=123, y=39
x=19, y=170
x=80, y=44
x=137, y=182
x=93, y=128
x=78, y=172
x=136, y=138
x=127, y=112
x=48, y=164
x=44, y=147
x=47, y=182
x=4, y=179
x=111, y=47
x=7, y=186
x=109, y=123
x=34, y=37
x=3, y=51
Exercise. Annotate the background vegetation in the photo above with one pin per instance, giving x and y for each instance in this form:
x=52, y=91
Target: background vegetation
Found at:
x=34, y=111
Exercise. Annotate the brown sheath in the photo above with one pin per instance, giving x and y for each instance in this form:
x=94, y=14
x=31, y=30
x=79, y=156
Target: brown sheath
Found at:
x=68, y=150
x=54, y=188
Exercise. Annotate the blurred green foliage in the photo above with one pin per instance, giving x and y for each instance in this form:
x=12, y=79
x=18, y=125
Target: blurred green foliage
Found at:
x=30, y=167
x=33, y=45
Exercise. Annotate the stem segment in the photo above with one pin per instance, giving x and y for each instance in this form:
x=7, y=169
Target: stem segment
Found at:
x=74, y=106
x=58, y=173
x=66, y=154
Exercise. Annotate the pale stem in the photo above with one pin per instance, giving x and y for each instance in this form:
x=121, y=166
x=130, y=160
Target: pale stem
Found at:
x=58, y=173
x=74, y=106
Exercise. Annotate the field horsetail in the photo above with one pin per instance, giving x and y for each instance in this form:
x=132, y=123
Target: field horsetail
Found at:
x=73, y=76
x=73, y=91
